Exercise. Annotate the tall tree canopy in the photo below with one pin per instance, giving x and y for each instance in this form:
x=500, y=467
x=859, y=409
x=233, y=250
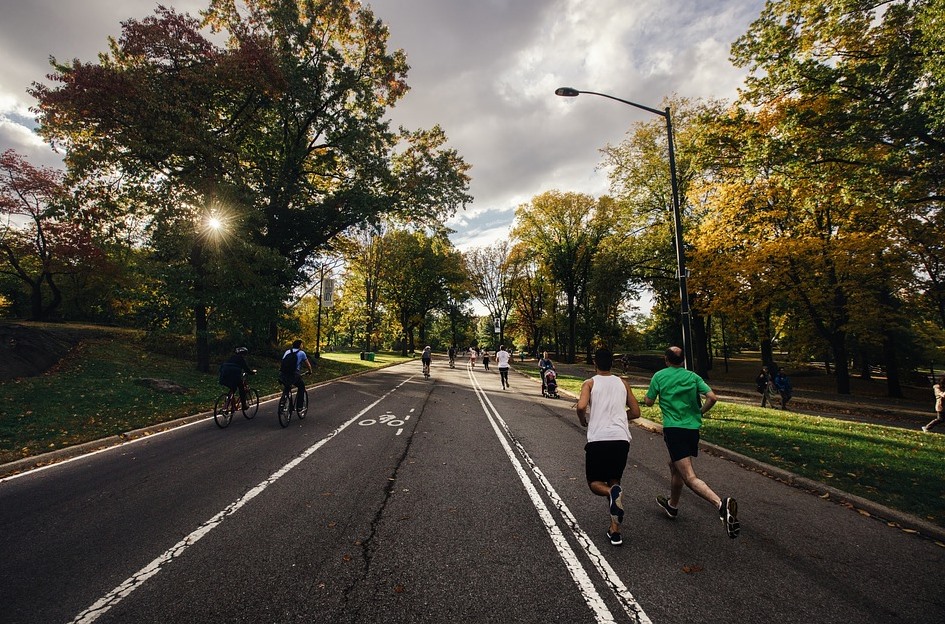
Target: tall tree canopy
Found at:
x=563, y=231
x=852, y=148
x=280, y=132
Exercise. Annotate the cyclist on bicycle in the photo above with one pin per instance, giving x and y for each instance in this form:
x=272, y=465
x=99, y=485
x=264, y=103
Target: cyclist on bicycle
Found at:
x=452, y=354
x=425, y=358
x=290, y=370
x=231, y=372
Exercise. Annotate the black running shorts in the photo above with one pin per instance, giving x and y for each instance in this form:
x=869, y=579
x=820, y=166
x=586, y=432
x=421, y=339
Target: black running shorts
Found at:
x=605, y=460
x=681, y=443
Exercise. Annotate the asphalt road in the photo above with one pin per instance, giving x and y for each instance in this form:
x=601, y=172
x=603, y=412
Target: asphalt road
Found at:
x=401, y=499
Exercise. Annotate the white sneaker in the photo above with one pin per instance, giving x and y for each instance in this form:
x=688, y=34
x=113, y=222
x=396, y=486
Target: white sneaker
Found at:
x=925, y=429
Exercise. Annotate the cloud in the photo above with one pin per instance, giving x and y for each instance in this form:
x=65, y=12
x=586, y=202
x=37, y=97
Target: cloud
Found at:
x=485, y=70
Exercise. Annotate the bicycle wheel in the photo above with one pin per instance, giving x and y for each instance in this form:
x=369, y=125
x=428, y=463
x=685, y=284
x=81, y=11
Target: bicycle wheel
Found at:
x=223, y=410
x=303, y=408
x=252, y=400
x=285, y=409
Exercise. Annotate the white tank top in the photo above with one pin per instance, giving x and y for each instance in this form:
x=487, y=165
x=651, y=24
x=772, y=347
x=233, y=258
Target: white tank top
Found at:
x=607, y=410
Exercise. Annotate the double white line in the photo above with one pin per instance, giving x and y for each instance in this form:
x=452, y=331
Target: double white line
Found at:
x=581, y=578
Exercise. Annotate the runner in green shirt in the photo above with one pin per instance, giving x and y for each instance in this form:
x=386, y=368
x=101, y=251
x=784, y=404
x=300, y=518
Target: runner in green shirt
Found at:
x=680, y=396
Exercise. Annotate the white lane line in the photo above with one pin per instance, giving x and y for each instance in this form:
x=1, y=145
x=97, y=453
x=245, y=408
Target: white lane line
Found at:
x=136, y=580
x=567, y=554
x=609, y=575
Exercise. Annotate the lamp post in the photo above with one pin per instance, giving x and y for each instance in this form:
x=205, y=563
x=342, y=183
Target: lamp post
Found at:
x=677, y=218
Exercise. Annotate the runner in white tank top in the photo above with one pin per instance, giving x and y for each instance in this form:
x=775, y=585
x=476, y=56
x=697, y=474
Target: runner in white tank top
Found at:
x=605, y=407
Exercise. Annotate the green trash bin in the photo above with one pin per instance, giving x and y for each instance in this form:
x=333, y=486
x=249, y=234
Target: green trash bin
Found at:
x=370, y=356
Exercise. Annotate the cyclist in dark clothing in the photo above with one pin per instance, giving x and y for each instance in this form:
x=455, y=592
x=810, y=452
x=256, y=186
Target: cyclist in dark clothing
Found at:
x=231, y=372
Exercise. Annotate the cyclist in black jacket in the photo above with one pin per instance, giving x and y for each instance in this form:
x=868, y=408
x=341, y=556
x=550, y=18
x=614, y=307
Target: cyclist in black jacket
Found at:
x=231, y=372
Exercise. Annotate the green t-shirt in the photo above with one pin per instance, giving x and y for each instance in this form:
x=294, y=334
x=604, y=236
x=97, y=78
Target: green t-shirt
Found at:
x=677, y=391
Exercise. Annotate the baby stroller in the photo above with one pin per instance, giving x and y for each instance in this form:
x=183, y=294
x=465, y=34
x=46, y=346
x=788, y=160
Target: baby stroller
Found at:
x=549, y=386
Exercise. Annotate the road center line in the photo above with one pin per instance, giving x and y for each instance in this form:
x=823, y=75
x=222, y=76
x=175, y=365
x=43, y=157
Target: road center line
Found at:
x=567, y=554
x=136, y=580
x=609, y=575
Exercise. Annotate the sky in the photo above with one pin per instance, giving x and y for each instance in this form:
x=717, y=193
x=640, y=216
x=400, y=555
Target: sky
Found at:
x=484, y=70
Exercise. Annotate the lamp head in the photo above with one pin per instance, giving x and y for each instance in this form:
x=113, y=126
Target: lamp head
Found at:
x=567, y=92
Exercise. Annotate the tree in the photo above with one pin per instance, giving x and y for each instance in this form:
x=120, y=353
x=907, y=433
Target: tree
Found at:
x=564, y=230
x=365, y=253
x=284, y=127
x=421, y=272
x=38, y=243
x=850, y=85
x=532, y=290
x=491, y=281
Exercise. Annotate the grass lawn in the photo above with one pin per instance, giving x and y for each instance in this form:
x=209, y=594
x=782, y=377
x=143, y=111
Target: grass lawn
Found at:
x=899, y=468
x=98, y=391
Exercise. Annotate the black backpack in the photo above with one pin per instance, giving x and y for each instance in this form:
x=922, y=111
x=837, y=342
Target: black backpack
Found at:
x=290, y=364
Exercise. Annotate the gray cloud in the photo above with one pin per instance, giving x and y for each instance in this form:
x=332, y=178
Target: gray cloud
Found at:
x=485, y=70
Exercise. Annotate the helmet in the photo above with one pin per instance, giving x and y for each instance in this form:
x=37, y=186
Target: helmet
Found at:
x=241, y=350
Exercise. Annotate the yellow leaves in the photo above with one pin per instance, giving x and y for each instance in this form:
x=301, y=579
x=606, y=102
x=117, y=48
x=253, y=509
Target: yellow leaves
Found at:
x=692, y=569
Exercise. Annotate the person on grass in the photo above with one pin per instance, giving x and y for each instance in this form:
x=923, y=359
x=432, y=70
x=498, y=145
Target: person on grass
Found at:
x=679, y=392
x=606, y=406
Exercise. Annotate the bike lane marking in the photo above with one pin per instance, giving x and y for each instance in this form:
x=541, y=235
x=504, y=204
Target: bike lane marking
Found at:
x=136, y=580
x=578, y=573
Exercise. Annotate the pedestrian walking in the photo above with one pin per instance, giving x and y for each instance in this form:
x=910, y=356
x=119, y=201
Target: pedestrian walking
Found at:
x=680, y=394
x=502, y=358
x=763, y=383
x=605, y=407
x=783, y=385
x=939, y=391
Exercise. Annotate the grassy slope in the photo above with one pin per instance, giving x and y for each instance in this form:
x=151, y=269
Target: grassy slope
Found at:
x=97, y=391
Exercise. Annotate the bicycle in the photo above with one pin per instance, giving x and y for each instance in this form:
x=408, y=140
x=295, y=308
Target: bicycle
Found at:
x=287, y=404
x=230, y=401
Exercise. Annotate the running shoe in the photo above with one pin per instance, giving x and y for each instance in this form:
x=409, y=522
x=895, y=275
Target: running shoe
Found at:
x=615, y=539
x=728, y=511
x=616, y=503
x=663, y=502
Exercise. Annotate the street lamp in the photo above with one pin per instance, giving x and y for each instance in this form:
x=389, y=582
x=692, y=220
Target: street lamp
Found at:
x=677, y=220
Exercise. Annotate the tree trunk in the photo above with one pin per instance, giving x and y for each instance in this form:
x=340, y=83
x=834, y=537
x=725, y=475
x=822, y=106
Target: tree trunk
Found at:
x=763, y=323
x=36, y=300
x=200, y=310
x=700, y=351
x=893, y=382
x=838, y=344
x=56, y=296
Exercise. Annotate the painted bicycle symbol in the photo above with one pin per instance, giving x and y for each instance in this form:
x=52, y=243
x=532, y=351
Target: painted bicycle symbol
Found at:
x=386, y=419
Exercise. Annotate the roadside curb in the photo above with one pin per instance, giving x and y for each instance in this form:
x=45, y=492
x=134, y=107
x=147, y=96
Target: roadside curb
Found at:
x=894, y=518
